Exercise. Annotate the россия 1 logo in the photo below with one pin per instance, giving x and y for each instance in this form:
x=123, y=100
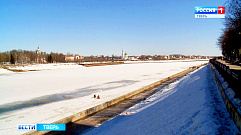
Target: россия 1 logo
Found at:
x=209, y=12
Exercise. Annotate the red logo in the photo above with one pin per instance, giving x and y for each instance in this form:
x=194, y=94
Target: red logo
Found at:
x=221, y=10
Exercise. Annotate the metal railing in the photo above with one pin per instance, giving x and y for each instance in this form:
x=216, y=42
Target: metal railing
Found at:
x=233, y=77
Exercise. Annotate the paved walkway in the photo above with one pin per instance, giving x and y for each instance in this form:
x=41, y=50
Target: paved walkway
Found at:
x=231, y=66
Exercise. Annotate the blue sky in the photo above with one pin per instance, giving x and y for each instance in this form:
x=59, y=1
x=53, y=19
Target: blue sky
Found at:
x=104, y=27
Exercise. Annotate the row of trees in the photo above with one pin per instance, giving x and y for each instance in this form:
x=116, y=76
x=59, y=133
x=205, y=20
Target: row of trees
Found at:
x=230, y=40
x=24, y=56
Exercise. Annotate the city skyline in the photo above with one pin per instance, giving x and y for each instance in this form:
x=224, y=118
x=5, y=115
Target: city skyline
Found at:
x=99, y=55
x=105, y=27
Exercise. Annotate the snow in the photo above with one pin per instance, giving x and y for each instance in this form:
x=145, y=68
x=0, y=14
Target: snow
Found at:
x=221, y=79
x=237, y=102
x=50, y=95
x=167, y=61
x=225, y=85
x=191, y=105
x=4, y=71
x=230, y=93
x=38, y=67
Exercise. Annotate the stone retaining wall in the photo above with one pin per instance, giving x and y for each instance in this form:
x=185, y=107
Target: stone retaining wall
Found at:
x=234, y=114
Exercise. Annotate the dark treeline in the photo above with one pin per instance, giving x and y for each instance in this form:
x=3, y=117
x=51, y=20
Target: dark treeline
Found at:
x=230, y=40
x=24, y=56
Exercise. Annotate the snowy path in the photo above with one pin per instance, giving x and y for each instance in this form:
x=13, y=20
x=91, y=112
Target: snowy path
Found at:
x=192, y=105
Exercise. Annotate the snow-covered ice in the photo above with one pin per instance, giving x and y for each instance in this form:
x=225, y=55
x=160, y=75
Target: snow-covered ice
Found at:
x=4, y=71
x=191, y=105
x=50, y=95
x=44, y=66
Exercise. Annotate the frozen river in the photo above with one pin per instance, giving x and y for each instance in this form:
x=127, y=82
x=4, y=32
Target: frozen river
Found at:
x=49, y=95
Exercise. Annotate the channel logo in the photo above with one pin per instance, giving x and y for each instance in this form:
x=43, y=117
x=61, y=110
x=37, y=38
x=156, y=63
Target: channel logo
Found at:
x=209, y=12
x=41, y=127
x=26, y=127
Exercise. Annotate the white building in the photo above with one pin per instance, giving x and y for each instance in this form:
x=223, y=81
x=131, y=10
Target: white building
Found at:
x=74, y=58
x=39, y=58
x=124, y=56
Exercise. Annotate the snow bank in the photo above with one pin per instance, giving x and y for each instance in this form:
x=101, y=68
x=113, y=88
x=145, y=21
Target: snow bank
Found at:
x=225, y=85
x=4, y=71
x=221, y=79
x=230, y=93
x=237, y=102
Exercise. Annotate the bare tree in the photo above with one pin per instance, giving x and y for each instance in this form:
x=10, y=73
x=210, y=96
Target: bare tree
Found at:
x=230, y=40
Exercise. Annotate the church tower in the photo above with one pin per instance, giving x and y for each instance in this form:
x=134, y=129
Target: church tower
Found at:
x=123, y=55
x=38, y=57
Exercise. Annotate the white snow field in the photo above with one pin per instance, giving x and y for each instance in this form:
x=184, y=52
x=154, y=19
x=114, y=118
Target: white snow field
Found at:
x=50, y=95
x=191, y=105
x=4, y=71
x=45, y=66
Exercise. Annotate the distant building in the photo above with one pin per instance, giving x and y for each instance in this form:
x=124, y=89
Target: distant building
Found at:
x=133, y=58
x=165, y=57
x=39, y=58
x=78, y=57
x=124, y=56
x=143, y=57
x=176, y=56
x=74, y=58
x=69, y=58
